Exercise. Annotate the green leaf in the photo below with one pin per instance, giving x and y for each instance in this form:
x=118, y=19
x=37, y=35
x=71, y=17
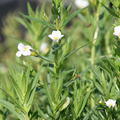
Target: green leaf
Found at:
x=84, y=102
x=74, y=51
x=12, y=99
x=25, y=23
x=12, y=108
x=111, y=11
x=39, y=20
x=49, y=95
x=17, y=89
x=40, y=112
x=30, y=10
x=31, y=89
x=71, y=16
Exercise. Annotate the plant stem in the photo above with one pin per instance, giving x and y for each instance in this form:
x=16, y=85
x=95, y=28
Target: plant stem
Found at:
x=26, y=117
x=107, y=45
x=95, y=35
x=93, y=47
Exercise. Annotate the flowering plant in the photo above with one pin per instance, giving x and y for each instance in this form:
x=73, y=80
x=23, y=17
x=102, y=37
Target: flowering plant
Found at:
x=67, y=68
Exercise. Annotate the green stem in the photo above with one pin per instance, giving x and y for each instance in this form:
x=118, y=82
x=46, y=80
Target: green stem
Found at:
x=57, y=24
x=93, y=46
x=26, y=117
x=107, y=44
x=95, y=35
x=93, y=50
x=44, y=58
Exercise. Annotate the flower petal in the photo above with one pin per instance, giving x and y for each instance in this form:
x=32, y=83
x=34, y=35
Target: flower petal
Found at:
x=117, y=31
x=20, y=46
x=56, y=33
x=62, y=36
x=50, y=36
x=26, y=53
x=81, y=3
x=18, y=54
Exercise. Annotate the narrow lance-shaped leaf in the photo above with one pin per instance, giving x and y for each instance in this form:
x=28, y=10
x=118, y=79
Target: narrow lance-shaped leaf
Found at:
x=12, y=108
x=17, y=89
x=84, y=102
x=31, y=89
x=68, y=19
x=74, y=51
x=40, y=20
x=111, y=11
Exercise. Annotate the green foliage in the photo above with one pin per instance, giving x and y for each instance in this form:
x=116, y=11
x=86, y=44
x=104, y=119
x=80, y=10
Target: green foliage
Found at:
x=20, y=96
x=76, y=76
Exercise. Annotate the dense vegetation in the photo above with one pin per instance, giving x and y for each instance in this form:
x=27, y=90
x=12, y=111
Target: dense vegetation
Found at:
x=65, y=66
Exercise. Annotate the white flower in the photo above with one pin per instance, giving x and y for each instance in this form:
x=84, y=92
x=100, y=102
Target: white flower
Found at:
x=110, y=103
x=55, y=36
x=117, y=31
x=44, y=47
x=81, y=3
x=24, y=50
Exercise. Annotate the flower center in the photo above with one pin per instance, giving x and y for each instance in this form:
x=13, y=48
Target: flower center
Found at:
x=25, y=49
x=110, y=104
x=56, y=38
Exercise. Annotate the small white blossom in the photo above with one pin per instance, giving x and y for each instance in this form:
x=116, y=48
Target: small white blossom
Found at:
x=110, y=103
x=81, y=3
x=55, y=36
x=24, y=50
x=44, y=47
x=117, y=31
